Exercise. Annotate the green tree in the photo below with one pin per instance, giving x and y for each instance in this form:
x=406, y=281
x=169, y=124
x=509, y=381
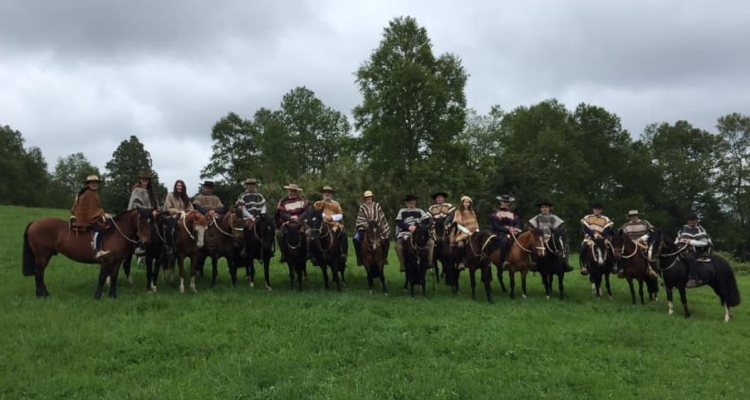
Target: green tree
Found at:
x=413, y=104
x=24, y=179
x=234, y=151
x=127, y=161
x=70, y=171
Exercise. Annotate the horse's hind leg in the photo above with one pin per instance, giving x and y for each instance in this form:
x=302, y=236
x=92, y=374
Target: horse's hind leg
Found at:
x=382, y=281
x=473, y=279
x=512, y=276
x=500, y=279
x=606, y=283
x=266, y=275
x=181, y=265
x=560, y=285
x=683, y=300
x=487, y=279
x=368, y=269
x=640, y=291
x=103, y=274
x=214, y=269
x=193, y=270
x=41, y=287
x=114, y=274
x=632, y=290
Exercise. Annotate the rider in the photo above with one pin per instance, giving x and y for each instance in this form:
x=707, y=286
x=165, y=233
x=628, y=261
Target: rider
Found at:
x=207, y=203
x=595, y=225
x=176, y=205
x=88, y=213
x=505, y=222
x=369, y=210
x=293, y=207
x=406, y=223
x=548, y=223
x=142, y=196
x=333, y=214
x=697, y=243
x=439, y=210
x=637, y=230
x=465, y=220
x=250, y=205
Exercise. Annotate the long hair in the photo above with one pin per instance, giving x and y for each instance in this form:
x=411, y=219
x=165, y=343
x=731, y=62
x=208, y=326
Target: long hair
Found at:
x=183, y=196
x=149, y=188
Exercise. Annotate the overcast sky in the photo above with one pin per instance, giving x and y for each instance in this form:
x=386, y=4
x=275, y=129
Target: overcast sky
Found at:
x=83, y=75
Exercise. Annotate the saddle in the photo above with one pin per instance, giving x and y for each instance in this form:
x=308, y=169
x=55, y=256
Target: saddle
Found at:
x=80, y=229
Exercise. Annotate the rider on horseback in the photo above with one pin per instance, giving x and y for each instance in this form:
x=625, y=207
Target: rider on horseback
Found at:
x=637, y=230
x=176, y=205
x=407, y=220
x=547, y=223
x=250, y=205
x=697, y=243
x=440, y=210
x=505, y=223
x=142, y=196
x=88, y=213
x=595, y=225
x=293, y=208
x=370, y=211
x=465, y=224
x=334, y=215
x=207, y=203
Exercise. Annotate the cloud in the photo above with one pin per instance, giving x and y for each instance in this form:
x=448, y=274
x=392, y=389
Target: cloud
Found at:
x=85, y=75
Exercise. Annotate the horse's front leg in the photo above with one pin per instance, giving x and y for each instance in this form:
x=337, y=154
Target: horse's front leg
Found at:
x=500, y=278
x=382, y=278
x=606, y=283
x=103, y=274
x=215, y=268
x=683, y=300
x=181, y=266
x=512, y=276
x=113, y=276
x=266, y=274
x=193, y=271
x=640, y=291
x=560, y=285
x=632, y=289
x=473, y=279
x=335, y=274
x=487, y=279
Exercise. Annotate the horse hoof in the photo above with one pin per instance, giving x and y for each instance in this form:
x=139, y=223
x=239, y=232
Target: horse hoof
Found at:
x=153, y=289
x=97, y=296
x=43, y=294
x=523, y=296
x=130, y=280
x=268, y=288
x=107, y=281
x=182, y=289
x=252, y=284
x=547, y=297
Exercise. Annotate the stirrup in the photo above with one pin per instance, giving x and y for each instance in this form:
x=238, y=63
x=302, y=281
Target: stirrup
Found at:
x=584, y=271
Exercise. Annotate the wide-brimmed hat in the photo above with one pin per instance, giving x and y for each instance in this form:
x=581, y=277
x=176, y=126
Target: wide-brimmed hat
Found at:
x=91, y=178
x=144, y=175
x=436, y=194
x=327, y=188
x=505, y=197
x=544, y=203
x=410, y=197
x=368, y=193
x=293, y=186
x=250, y=181
x=691, y=217
x=597, y=205
x=466, y=198
x=209, y=183
x=633, y=213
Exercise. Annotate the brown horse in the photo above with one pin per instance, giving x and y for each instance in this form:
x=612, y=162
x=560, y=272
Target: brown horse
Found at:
x=373, y=254
x=476, y=255
x=191, y=229
x=524, y=244
x=223, y=238
x=634, y=264
x=47, y=237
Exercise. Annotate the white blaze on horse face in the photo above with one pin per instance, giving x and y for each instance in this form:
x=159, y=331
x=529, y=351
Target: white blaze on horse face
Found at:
x=599, y=257
x=200, y=233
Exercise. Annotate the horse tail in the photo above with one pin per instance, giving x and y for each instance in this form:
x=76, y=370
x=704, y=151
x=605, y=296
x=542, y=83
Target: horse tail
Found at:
x=29, y=260
x=727, y=283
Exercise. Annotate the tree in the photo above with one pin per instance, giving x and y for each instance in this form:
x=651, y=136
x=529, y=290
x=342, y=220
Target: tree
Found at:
x=24, y=179
x=69, y=172
x=127, y=161
x=413, y=103
x=235, y=150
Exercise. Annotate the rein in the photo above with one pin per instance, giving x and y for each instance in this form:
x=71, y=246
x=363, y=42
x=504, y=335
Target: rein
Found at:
x=481, y=250
x=515, y=239
x=215, y=222
x=137, y=229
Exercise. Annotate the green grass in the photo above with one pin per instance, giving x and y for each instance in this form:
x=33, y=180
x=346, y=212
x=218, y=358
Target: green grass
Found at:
x=242, y=343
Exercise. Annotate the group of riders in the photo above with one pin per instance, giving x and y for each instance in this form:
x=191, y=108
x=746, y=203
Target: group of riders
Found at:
x=461, y=222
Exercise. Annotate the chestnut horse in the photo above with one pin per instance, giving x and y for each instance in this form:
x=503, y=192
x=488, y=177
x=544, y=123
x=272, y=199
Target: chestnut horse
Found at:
x=190, y=232
x=476, y=255
x=47, y=237
x=373, y=257
x=634, y=264
x=223, y=238
x=518, y=259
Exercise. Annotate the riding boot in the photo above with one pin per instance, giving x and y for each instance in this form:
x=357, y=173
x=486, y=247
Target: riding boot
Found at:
x=386, y=245
x=357, y=251
x=99, y=253
x=344, y=245
x=400, y=255
x=652, y=272
x=692, y=278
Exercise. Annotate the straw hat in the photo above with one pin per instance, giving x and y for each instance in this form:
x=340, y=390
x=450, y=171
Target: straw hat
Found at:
x=326, y=188
x=368, y=193
x=91, y=178
x=633, y=213
x=293, y=186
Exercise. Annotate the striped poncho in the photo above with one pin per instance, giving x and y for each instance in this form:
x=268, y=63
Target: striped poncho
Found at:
x=372, y=212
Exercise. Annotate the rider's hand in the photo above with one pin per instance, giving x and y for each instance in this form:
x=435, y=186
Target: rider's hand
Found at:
x=293, y=218
x=328, y=218
x=412, y=228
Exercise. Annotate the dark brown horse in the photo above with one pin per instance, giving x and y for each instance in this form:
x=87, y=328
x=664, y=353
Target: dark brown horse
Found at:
x=190, y=231
x=634, y=264
x=259, y=241
x=294, y=242
x=223, y=238
x=476, y=255
x=326, y=249
x=599, y=260
x=373, y=257
x=518, y=260
x=415, y=258
x=47, y=237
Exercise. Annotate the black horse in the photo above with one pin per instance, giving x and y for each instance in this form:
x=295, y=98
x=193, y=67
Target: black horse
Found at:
x=259, y=245
x=551, y=262
x=325, y=247
x=441, y=256
x=415, y=258
x=154, y=253
x=296, y=247
x=714, y=272
x=599, y=260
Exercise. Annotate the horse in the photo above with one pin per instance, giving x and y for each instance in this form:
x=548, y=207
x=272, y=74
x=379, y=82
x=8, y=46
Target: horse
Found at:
x=190, y=232
x=524, y=244
x=294, y=241
x=46, y=237
x=551, y=261
x=714, y=272
x=634, y=265
x=153, y=252
x=373, y=257
x=326, y=249
x=415, y=258
x=476, y=255
x=599, y=261
x=223, y=238
x=444, y=255
x=259, y=245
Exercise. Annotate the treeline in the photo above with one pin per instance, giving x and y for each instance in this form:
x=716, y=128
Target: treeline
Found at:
x=416, y=135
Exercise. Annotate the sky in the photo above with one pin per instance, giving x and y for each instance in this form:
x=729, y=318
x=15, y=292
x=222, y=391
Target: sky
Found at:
x=84, y=75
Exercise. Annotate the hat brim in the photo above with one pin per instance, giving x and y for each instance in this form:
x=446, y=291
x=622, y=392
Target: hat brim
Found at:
x=435, y=195
x=544, y=204
x=293, y=188
x=505, y=199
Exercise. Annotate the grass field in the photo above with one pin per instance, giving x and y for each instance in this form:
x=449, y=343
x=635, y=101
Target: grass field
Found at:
x=242, y=343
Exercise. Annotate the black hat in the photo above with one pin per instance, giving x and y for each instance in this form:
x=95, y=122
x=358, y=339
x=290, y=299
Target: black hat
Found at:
x=691, y=217
x=208, y=183
x=544, y=203
x=505, y=197
x=597, y=205
x=410, y=197
x=436, y=194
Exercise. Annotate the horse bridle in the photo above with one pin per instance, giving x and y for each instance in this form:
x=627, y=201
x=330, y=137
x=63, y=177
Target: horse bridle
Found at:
x=658, y=253
x=137, y=228
x=481, y=254
x=375, y=232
